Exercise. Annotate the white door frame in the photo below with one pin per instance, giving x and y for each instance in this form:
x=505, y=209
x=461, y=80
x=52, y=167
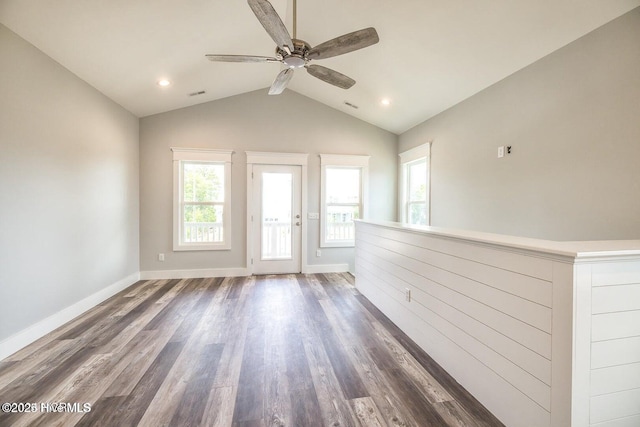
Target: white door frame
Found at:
x=267, y=158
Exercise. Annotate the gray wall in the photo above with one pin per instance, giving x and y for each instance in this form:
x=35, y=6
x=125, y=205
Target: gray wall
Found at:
x=573, y=120
x=69, y=199
x=253, y=122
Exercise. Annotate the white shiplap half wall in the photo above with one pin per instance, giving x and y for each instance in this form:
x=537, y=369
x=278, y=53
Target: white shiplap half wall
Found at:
x=483, y=314
x=615, y=344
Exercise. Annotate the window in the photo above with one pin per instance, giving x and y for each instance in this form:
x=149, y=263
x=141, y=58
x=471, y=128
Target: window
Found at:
x=414, y=185
x=343, y=194
x=201, y=199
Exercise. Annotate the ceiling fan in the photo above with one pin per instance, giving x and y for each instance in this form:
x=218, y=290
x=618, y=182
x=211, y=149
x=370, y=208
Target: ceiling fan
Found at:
x=295, y=53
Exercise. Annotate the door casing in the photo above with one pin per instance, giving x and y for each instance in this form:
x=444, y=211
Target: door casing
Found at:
x=275, y=158
x=290, y=224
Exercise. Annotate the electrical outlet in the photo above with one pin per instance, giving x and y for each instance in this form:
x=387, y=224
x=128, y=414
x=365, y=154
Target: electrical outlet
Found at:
x=501, y=151
x=160, y=257
x=407, y=294
x=318, y=253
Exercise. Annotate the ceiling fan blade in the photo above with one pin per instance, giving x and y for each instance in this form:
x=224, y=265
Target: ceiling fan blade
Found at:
x=330, y=76
x=345, y=44
x=240, y=58
x=271, y=22
x=281, y=81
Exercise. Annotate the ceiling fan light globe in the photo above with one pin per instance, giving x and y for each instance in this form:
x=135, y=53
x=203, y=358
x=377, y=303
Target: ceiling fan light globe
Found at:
x=294, y=61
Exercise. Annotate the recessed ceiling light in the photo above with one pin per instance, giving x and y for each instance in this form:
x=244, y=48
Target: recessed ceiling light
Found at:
x=164, y=83
x=385, y=102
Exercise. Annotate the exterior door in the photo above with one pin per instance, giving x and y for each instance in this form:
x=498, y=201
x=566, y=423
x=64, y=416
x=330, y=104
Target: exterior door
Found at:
x=276, y=219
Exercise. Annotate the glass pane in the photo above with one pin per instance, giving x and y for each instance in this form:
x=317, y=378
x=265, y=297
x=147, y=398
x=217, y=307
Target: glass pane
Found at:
x=343, y=185
x=340, y=224
x=417, y=181
x=203, y=182
x=418, y=213
x=277, y=195
x=203, y=224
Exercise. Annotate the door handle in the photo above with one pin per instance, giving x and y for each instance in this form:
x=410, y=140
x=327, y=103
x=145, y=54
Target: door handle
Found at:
x=298, y=223
x=298, y=216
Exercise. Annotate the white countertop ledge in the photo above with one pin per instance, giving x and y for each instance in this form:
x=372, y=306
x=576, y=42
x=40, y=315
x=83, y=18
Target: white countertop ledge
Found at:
x=578, y=249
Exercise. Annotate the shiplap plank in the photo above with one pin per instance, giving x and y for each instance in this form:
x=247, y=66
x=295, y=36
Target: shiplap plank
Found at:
x=529, y=312
x=633, y=421
x=504, y=400
x=615, y=352
x=619, y=273
x=527, y=359
x=498, y=257
x=530, y=361
x=513, y=328
x=610, y=326
x=610, y=406
x=524, y=286
x=512, y=373
x=615, y=378
x=608, y=299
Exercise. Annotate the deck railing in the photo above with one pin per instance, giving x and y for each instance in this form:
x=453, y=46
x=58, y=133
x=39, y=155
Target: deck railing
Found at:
x=276, y=240
x=207, y=232
x=340, y=231
x=276, y=235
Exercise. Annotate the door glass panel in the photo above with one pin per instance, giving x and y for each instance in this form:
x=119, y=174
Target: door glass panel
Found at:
x=277, y=195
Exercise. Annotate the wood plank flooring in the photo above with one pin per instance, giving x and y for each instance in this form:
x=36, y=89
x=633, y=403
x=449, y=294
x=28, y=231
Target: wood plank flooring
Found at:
x=290, y=350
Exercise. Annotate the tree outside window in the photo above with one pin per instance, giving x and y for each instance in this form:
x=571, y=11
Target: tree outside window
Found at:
x=203, y=202
x=201, y=199
x=414, y=185
x=344, y=186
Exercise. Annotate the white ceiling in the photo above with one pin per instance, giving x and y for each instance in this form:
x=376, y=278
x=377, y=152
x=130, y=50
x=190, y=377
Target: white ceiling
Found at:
x=432, y=53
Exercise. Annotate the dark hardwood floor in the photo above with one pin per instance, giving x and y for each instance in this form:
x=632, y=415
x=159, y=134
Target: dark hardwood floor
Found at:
x=294, y=350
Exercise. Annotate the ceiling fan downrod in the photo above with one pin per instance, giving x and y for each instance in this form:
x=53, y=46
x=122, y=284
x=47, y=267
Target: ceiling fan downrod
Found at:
x=294, y=53
x=295, y=15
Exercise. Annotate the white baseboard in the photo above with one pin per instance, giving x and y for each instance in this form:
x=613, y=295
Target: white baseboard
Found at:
x=326, y=268
x=231, y=272
x=10, y=345
x=189, y=274
x=30, y=334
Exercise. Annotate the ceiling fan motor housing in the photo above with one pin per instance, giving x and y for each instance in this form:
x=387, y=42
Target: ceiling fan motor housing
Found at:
x=297, y=58
x=295, y=53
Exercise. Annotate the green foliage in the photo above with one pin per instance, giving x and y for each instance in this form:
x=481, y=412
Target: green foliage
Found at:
x=418, y=213
x=202, y=213
x=203, y=182
x=419, y=192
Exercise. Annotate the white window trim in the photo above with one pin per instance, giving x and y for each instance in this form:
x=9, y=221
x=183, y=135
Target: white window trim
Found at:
x=417, y=153
x=352, y=161
x=200, y=155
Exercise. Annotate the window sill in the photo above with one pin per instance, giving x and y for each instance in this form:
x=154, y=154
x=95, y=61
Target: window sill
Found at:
x=345, y=244
x=204, y=247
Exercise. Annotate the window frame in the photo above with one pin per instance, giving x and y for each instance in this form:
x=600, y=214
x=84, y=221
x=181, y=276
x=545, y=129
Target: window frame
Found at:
x=407, y=159
x=331, y=161
x=200, y=155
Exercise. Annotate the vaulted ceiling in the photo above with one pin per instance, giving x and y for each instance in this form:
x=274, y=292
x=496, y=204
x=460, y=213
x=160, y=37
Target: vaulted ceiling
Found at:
x=432, y=54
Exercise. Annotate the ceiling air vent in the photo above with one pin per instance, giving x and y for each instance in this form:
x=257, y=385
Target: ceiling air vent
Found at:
x=347, y=103
x=200, y=92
